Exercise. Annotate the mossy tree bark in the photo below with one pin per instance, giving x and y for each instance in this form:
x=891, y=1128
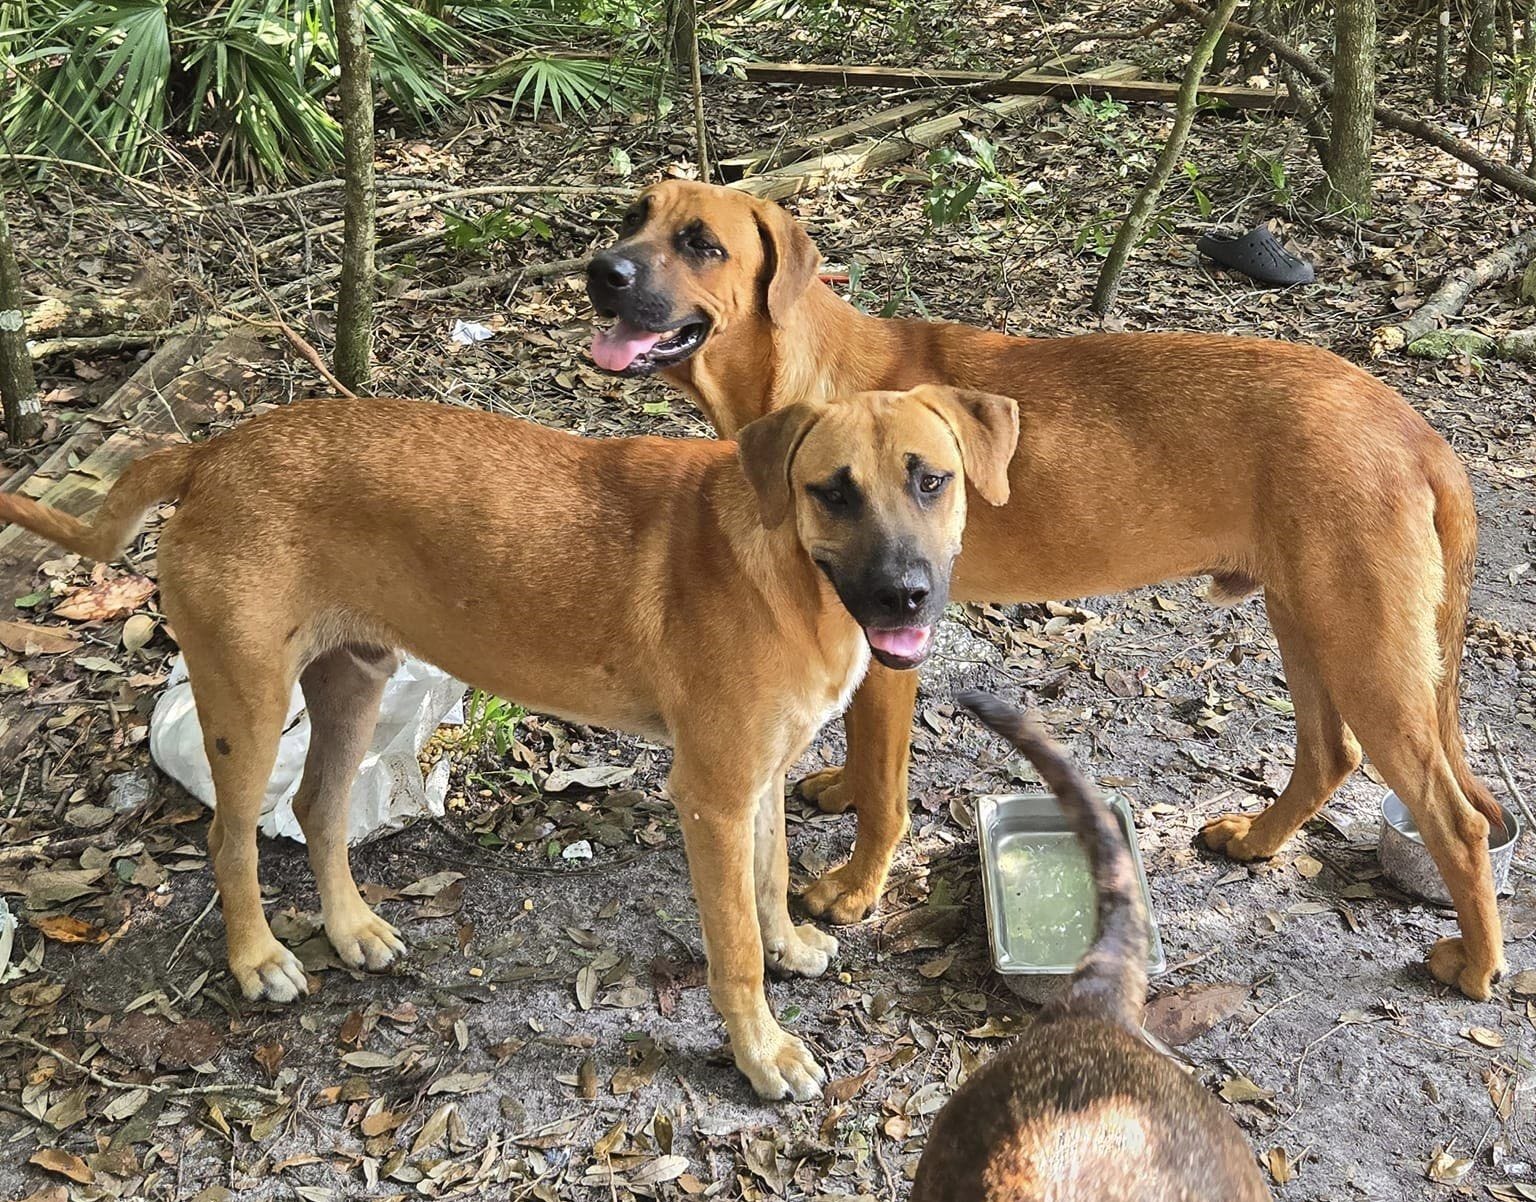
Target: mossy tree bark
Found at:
x=18, y=386
x=354, y=306
x=1352, y=107
x=1146, y=201
x=1481, y=32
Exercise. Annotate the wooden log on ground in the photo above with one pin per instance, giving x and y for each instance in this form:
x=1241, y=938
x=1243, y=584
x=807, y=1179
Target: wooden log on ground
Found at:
x=821, y=141
x=188, y=401
x=1000, y=83
x=871, y=126
x=89, y=313
x=870, y=155
x=1518, y=346
x=1448, y=299
x=154, y=376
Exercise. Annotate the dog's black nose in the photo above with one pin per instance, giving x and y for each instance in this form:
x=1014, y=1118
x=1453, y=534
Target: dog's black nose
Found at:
x=612, y=271
x=903, y=598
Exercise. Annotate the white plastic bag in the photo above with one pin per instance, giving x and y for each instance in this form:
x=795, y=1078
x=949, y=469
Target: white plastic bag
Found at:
x=389, y=789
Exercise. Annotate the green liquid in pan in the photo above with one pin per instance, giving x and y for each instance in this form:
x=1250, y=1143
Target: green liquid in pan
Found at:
x=1048, y=897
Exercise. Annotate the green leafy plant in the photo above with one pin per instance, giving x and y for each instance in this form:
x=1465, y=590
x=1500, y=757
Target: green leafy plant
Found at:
x=957, y=178
x=491, y=723
x=466, y=232
x=538, y=77
x=107, y=80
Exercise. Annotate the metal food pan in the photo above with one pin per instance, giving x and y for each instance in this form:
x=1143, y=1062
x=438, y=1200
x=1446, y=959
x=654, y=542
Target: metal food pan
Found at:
x=1002, y=817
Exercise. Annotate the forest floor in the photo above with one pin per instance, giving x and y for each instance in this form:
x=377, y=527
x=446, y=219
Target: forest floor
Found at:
x=488, y=1064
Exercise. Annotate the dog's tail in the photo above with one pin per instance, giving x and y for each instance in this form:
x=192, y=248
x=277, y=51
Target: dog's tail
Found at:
x=148, y=480
x=1110, y=982
x=1456, y=528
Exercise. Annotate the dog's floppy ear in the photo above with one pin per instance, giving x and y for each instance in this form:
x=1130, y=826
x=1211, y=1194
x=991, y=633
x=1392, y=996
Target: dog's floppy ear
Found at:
x=790, y=258
x=767, y=449
x=987, y=428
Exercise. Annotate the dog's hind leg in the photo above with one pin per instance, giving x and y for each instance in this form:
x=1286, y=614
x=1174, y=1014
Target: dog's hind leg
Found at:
x=342, y=690
x=802, y=950
x=1326, y=753
x=242, y=695
x=874, y=780
x=1381, y=661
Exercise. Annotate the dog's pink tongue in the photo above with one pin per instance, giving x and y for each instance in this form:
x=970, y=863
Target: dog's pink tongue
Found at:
x=616, y=348
x=905, y=642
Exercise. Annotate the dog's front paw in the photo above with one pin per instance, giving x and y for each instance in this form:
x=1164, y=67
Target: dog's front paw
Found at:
x=805, y=952
x=1450, y=965
x=782, y=1068
x=844, y=895
x=1232, y=835
x=363, y=940
x=825, y=790
x=268, y=970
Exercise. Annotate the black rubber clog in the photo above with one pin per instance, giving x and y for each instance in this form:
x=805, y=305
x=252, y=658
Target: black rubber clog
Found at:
x=1258, y=255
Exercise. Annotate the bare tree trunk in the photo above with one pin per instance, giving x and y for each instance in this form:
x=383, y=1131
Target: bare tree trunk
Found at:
x=1352, y=107
x=1443, y=55
x=1136, y=220
x=696, y=81
x=18, y=386
x=354, y=305
x=1481, y=31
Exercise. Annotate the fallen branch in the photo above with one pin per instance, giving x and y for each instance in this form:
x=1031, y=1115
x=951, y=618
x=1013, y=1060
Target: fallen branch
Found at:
x=175, y=1091
x=98, y=344
x=86, y=313
x=421, y=202
x=1001, y=83
x=1448, y=299
x=1518, y=346
x=871, y=126
x=870, y=155
x=1491, y=169
x=497, y=279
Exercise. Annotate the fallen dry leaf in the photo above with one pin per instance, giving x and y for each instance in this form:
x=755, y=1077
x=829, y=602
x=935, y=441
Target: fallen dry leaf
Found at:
x=1281, y=1167
x=1483, y=1036
x=1183, y=1015
x=67, y=1164
x=108, y=598
x=27, y=639
x=1447, y=1169
x=66, y=928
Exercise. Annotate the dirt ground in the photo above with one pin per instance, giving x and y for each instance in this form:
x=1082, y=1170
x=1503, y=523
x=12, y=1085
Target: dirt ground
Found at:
x=549, y=1035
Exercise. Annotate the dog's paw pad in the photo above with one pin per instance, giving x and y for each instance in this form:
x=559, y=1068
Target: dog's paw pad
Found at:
x=787, y=1072
x=841, y=896
x=1229, y=835
x=806, y=952
x=272, y=973
x=369, y=944
x=825, y=790
x=1450, y=965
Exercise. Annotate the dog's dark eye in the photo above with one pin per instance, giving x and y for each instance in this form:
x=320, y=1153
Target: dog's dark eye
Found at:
x=932, y=482
x=832, y=498
x=697, y=241
x=631, y=221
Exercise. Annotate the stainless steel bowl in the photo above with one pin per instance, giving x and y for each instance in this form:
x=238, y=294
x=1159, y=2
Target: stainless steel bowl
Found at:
x=1409, y=866
x=1002, y=817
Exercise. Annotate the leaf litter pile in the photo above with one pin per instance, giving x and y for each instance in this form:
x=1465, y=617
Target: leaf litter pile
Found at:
x=550, y=1035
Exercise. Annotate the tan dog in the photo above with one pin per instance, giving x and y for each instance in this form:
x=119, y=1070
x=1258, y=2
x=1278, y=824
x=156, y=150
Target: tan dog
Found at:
x=1143, y=457
x=1080, y=1108
x=646, y=584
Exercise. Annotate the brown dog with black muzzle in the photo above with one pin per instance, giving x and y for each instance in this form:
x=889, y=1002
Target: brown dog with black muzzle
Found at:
x=1142, y=458
x=1080, y=1108
x=669, y=588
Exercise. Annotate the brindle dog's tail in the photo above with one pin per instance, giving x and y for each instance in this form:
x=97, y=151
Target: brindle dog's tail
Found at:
x=1110, y=982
